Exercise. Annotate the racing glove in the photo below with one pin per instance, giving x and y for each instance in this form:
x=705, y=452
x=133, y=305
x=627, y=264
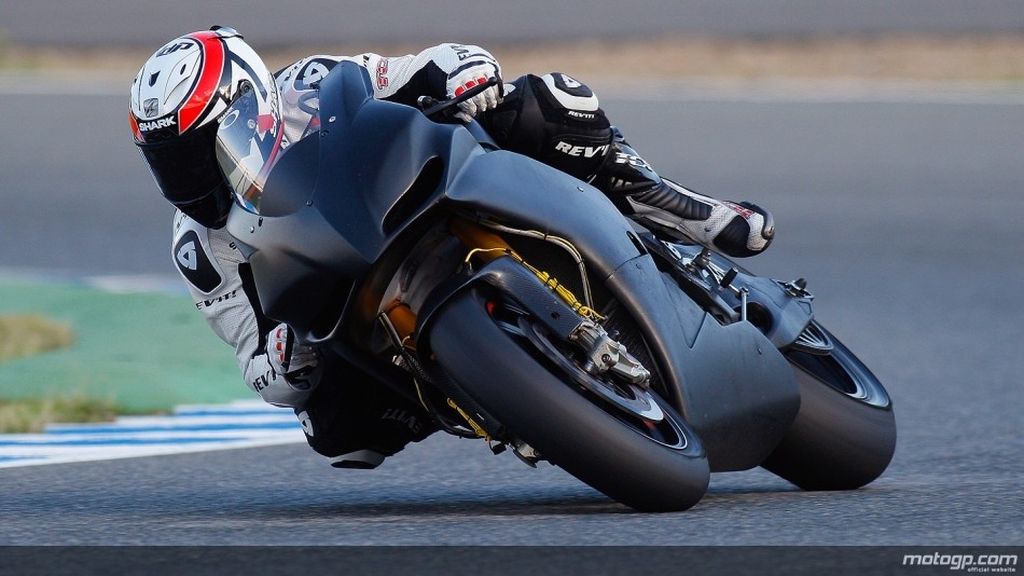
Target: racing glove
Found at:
x=479, y=67
x=296, y=362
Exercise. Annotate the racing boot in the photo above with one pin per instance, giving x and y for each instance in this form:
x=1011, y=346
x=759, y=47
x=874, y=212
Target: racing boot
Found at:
x=385, y=436
x=356, y=422
x=676, y=213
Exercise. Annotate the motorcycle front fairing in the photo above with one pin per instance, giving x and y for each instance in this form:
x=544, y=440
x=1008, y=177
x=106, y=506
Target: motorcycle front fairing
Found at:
x=337, y=200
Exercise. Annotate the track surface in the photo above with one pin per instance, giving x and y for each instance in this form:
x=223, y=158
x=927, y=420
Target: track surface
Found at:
x=904, y=217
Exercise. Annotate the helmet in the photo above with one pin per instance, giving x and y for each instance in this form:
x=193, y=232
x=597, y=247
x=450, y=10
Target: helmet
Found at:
x=177, y=100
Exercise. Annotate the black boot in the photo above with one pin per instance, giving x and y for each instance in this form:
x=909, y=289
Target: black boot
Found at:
x=357, y=422
x=672, y=211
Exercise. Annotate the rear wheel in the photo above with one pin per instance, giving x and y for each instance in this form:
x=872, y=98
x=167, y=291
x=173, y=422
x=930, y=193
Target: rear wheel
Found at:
x=844, y=435
x=623, y=440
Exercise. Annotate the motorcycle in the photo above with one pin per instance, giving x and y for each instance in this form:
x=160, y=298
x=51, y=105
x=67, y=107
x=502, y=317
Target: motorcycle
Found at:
x=516, y=304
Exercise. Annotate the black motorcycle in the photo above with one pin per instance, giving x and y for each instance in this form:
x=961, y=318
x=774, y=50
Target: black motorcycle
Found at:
x=516, y=304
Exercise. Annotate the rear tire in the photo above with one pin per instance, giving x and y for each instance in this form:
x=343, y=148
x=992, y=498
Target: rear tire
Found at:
x=844, y=435
x=587, y=438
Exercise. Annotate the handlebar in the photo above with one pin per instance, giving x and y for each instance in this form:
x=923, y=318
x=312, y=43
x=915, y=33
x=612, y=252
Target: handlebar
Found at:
x=447, y=108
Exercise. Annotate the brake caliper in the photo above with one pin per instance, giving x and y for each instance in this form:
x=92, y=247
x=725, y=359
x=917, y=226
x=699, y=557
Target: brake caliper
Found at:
x=603, y=354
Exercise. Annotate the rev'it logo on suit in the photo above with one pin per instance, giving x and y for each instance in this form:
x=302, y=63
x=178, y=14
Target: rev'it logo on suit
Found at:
x=312, y=73
x=187, y=256
x=194, y=264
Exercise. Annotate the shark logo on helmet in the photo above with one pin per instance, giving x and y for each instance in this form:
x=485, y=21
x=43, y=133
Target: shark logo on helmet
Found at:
x=165, y=122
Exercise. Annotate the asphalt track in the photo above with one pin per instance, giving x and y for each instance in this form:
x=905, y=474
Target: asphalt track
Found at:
x=107, y=23
x=902, y=211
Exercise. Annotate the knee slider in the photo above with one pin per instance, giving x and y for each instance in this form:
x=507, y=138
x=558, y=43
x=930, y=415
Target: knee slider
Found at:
x=555, y=119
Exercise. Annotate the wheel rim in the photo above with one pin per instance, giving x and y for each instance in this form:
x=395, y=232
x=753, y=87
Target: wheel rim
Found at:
x=628, y=397
x=813, y=340
x=839, y=369
x=641, y=410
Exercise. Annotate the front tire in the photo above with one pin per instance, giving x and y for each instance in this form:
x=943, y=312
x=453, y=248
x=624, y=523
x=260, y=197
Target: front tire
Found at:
x=844, y=435
x=589, y=440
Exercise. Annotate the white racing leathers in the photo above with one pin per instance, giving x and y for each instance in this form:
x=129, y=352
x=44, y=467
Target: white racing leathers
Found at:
x=210, y=264
x=212, y=267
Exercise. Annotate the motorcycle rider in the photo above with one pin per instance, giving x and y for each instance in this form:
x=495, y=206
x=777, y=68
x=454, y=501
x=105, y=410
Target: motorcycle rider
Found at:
x=178, y=101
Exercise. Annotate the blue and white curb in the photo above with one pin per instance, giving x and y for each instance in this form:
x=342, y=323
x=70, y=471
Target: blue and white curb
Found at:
x=242, y=424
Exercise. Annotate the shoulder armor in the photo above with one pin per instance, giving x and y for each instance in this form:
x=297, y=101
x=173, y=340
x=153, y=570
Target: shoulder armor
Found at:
x=193, y=256
x=306, y=73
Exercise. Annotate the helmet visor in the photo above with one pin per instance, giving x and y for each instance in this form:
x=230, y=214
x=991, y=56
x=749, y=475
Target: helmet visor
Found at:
x=248, y=145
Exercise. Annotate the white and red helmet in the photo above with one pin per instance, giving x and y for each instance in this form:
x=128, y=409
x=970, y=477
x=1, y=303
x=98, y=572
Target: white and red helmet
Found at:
x=176, y=101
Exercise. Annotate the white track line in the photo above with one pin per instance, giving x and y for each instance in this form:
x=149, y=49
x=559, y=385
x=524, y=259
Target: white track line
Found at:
x=190, y=429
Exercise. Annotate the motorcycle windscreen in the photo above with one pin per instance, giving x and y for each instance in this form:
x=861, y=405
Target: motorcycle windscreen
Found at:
x=249, y=143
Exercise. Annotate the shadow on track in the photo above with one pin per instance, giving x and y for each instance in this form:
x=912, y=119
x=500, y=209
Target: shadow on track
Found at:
x=525, y=501
x=448, y=505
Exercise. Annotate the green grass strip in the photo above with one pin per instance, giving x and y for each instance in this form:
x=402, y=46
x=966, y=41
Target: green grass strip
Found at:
x=140, y=352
